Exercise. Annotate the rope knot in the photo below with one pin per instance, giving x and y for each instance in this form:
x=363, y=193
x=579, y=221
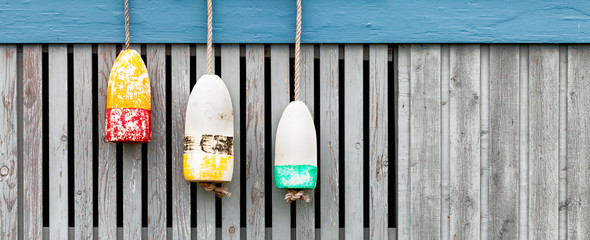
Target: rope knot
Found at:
x=294, y=194
x=211, y=187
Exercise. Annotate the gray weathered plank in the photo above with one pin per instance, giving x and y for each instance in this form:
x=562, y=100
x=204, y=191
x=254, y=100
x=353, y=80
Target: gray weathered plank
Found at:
x=329, y=142
x=33, y=142
x=425, y=141
x=230, y=207
x=157, y=216
x=379, y=141
x=544, y=141
x=353, y=141
x=280, y=84
x=58, y=141
x=181, y=208
x=255, y=149
x=503, y=141
x=464, y=103
x=132, y=185
x=563, y=142
x=305, y=221
x=205, y=200
x=523, y=208
x=484, y=139
x=578, y=142
x=445, y=142
x=83, y=149
x=403, y=142
x=107, y=159
x=8, y=143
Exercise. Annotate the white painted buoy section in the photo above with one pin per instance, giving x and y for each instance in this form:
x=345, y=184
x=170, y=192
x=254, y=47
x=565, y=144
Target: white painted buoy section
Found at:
x=296, y=149
x=209, y=132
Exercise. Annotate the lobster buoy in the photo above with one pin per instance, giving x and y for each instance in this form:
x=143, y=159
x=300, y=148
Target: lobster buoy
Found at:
x=296, y=149
x=209, y=132
x=128, y=113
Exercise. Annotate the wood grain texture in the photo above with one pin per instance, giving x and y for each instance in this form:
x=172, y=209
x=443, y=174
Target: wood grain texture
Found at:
x=157, y=172
x=255, y=149
x=353, y=141
x=378, y=141
x=305, y=214
x=403, y=142
x=523, y=208
x=445, y=141
x=425, y=141
x=578, y=142
x=205, y=200
x=563, y=142
x=32, y=141
x=329, y=142
x=8, y=143
x=107, y=155
x=273, y=21
x=464, y=141
x=132, y=185
x=58, y=141
x=181, y=208
x=280, y=84
x=503, y=141
x=230, y=207
x=544, y=141
x=485, y=139
x=83, y=147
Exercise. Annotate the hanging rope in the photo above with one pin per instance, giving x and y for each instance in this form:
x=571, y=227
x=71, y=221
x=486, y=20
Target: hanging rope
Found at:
x=297, y=50
x=126, y=24
x=294, y=194
x=209, y=36
x=219, y=191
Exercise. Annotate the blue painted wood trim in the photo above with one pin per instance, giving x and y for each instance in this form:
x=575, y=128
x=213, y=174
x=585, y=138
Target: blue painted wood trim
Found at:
x=273, y=21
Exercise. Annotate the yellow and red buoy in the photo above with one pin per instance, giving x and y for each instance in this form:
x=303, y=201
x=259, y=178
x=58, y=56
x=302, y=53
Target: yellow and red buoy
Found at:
x=128, y=113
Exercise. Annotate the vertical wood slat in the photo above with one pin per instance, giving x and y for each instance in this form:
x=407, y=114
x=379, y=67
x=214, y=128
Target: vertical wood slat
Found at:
x=464, y=86
x=255, y=189
x=578, y=142
x=132, y=185
x=485, y=139
x=445, y=140
x=544, y=141
x=563, y=142
x=181, y=209
x=230, y=210
x=107, y=159
x=8, y=143
x=205, y=200
x=353, y=141
x=379, y=141
x=403, y=142
x=58, y=141
x=503, y=141
x=523, y=208
x=280, y=84
x=33, y=142
x=83, y=147
x=157, y=216
x=306, y=211
x=329, y=142
x=425, y=141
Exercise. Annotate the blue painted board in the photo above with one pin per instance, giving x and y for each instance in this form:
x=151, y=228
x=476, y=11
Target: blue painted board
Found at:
x=273, y=21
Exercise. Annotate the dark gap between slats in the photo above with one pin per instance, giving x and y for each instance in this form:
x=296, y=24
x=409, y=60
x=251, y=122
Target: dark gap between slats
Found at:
x=144, y=162
x=392, y=183
x=316, y=119
x=193, y=186
x=292, y=98
x=267, y=141
x=45, y=87
x=168, y=137
x=95, y=135
x=341, y=202
x=119, y=174
x=70, y=146
x=242, y=139
x=218, y=200
x=366, y=140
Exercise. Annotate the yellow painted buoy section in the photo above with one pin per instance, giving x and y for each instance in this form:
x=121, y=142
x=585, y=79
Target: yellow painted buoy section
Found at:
x=209, y=132
x=128, y=113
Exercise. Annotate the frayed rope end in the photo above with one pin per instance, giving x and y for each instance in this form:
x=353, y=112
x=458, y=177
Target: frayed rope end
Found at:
x=294, y=194
x=220, y=192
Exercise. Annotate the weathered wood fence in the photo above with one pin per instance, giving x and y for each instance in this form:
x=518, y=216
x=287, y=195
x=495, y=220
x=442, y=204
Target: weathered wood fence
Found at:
x=492, y=143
